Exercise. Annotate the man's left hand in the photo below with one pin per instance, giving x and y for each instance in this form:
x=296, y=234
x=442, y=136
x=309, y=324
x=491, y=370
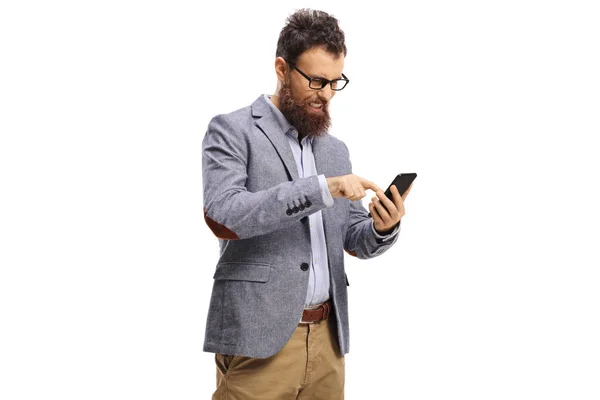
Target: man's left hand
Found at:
x=387, y=216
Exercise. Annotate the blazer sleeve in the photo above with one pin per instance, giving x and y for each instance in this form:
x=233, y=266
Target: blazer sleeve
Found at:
x=230, y=210
x=361, y=240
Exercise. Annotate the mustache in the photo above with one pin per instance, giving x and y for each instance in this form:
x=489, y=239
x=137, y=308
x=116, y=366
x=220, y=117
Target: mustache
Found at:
x=317, y=102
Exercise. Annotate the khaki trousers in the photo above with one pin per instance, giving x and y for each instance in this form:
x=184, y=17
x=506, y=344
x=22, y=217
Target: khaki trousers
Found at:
x=309, y=366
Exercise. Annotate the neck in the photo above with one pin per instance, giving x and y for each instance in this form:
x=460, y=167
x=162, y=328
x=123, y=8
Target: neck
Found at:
x=275, y=101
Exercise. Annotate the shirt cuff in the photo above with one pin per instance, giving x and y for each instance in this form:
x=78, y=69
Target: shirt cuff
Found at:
x=327, y=198
x=388, y=236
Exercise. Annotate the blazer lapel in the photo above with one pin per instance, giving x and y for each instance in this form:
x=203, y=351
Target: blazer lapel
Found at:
x=322, y=160
x=267, y=123
x=323, y=164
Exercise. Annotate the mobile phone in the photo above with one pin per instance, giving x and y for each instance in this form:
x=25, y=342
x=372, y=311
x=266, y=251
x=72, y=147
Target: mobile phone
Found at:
x=402, y=183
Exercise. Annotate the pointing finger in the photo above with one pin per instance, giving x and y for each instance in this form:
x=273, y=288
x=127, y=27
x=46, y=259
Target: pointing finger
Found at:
x=367, y=184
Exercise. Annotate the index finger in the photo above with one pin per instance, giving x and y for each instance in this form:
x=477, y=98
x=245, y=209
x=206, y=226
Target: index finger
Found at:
x=367, y=184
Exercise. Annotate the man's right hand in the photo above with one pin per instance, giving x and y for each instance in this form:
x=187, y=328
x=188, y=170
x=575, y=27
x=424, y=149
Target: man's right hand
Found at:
x=350, y=186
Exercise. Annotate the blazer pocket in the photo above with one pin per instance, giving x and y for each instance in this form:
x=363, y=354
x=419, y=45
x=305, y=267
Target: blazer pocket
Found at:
x=243, y=271
x=241, y=288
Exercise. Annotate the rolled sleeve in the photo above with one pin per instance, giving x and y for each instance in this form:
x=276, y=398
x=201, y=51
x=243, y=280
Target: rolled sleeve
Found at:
x=386, y=237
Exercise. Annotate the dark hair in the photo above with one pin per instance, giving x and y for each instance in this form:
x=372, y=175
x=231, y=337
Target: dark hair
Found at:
x=306, y=29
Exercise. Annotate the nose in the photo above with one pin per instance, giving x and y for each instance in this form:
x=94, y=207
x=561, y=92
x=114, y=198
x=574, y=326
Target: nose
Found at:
x=326, y=93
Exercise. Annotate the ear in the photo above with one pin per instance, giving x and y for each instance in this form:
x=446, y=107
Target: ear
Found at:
x=281, y=69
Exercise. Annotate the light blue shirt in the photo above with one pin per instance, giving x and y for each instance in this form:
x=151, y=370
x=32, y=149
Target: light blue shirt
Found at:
x=318, y=280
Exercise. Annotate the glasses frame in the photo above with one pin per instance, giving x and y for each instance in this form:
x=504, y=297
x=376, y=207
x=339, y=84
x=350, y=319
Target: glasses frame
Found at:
x=325, y=82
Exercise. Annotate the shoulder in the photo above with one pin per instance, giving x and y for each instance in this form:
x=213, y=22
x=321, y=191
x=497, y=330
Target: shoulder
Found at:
x=233, y=126
x=235, y=119
x=230, y=131
x=242, y=117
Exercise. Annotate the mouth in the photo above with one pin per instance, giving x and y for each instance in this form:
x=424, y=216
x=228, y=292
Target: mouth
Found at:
x=316, y=107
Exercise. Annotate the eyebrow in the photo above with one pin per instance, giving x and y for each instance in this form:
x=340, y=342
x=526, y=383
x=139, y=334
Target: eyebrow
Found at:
x=323, y=78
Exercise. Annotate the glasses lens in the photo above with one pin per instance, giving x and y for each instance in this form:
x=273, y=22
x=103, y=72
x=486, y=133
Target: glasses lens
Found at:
x=316, y=84
x=338, y=85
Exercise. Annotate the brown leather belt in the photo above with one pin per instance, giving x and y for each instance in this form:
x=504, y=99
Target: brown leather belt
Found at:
x=318, y=314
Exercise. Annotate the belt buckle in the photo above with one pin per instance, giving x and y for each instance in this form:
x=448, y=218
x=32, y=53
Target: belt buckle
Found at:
x=326, y=311
x=302, y=321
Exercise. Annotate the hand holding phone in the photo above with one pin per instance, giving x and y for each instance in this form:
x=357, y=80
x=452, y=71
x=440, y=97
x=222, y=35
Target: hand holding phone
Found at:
x=402, y=183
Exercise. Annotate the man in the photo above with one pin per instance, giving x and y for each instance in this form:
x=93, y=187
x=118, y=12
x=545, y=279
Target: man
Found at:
x=280, y=195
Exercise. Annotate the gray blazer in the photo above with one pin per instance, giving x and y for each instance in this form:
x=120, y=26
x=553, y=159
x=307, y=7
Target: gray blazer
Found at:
x=258, y=207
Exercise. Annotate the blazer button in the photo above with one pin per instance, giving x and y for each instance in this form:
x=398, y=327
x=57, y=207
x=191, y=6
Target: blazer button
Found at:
x=304, y=266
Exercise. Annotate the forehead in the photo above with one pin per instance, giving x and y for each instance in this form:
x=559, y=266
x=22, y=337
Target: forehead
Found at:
x=318, y=62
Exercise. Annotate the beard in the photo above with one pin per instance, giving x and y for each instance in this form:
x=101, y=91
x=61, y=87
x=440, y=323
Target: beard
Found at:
x=308, y=123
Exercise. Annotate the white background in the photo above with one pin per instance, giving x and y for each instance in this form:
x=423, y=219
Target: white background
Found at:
x=492, y=291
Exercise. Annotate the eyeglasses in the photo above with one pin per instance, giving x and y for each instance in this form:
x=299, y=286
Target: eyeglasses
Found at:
x=320, y=83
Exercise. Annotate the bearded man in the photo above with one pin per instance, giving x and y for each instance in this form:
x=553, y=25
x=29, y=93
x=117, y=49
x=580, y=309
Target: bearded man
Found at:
x=280, y=195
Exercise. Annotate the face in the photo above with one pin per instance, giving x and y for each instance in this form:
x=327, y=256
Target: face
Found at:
x=305, y=108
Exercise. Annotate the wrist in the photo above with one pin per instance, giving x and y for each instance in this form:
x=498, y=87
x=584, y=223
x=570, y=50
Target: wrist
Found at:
x=387, y=231
x=332, y=185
